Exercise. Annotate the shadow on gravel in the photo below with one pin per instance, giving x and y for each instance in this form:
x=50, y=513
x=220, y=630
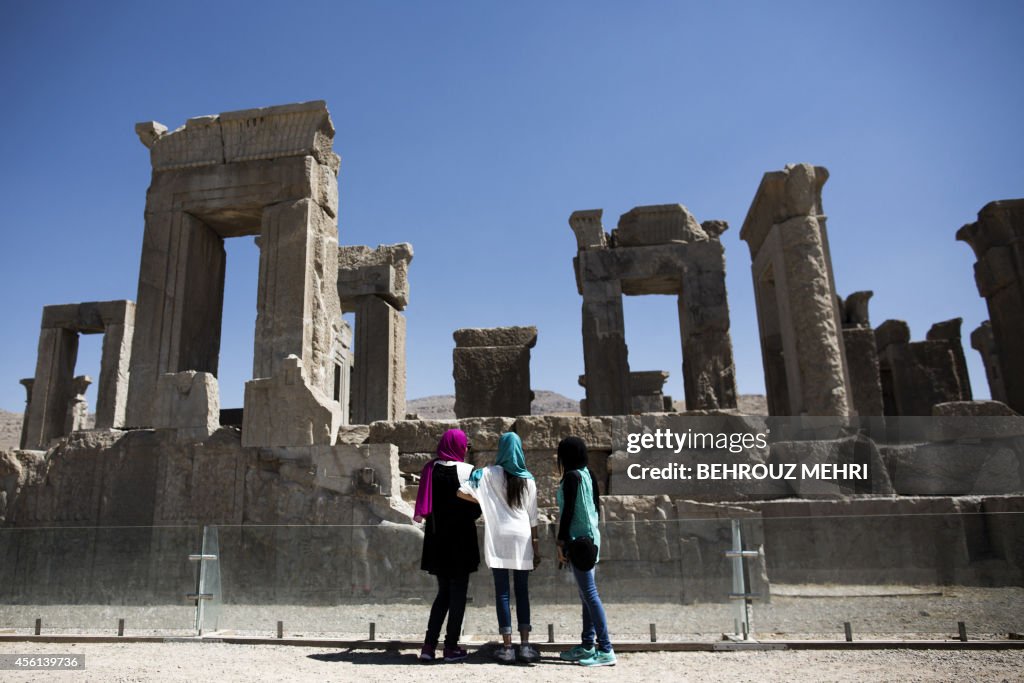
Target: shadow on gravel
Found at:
x=483, y=655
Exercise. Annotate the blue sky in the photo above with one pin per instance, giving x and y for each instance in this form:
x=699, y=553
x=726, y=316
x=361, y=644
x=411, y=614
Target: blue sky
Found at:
x=473, y=130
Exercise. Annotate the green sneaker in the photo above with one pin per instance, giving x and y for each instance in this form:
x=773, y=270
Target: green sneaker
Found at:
x=599, y=658
x=576, y=654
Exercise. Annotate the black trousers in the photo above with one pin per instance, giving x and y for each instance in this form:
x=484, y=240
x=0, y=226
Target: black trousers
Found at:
x=450, y=601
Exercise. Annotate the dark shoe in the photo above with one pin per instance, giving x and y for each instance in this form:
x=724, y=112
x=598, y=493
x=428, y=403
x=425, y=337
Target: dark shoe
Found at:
x=505, y=655
x=454, y=654
x=528, y=654
x=427, y=653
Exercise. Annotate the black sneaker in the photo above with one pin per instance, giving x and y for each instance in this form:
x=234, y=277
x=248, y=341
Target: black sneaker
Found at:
x=454, y=654
x=528, y=654
x=504, y=655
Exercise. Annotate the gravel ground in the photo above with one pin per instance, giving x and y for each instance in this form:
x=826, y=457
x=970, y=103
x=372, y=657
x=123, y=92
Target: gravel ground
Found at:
x=223, y=662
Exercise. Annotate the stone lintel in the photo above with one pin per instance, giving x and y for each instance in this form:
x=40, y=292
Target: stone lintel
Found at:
x=89, y=317
x=647, y=381
x=496, y=336
x=299, y=129
x=657, y=224
x=382, y=271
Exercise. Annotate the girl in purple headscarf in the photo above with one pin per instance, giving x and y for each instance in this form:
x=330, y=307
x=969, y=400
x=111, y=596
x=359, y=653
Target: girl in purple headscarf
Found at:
x=450, y=550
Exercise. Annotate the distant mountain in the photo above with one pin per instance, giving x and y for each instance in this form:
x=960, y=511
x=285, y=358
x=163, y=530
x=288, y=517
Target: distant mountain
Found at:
x=443, y=407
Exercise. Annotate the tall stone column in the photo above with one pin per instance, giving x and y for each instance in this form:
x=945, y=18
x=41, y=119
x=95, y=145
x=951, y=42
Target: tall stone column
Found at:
x=179, y=305
x=983, y=341
x=374, y=283
x=27, y=383
x=709, y=374
x=52, y=388
x=112, y=392
x=798, y=314
x=949, y=331
x=77, y=414
x=605, y=355
x=997, y=238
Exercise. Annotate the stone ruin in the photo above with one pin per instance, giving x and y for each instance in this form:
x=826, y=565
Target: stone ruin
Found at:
x=655, y=250
x=491, y=368
x=322, y=439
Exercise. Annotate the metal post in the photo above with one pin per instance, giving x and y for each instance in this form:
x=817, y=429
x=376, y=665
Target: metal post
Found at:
x=39, y=626
x=848, y=630
x=741, y=598
x=962, y=628
x=202, y=593
x=551, y=633
x=373, y=631
x=654, y=633
x=280, y=629
x=120, y=627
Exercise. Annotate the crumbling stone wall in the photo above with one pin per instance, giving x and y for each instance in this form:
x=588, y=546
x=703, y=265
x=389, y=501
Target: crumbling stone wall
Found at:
x=917, y=375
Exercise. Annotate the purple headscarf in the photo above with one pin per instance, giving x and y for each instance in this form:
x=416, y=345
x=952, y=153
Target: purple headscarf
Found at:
x=452, y=446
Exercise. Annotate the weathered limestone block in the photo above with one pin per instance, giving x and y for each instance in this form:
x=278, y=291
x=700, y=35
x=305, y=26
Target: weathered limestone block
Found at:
x=997, y=239
x=493, y=380
x=496, y=336
x=659, y=224
x=189, y=403
x=983, y=341
x=382, y=272
x=362, y=469
x=955, y=469
x=798, y=314
x=286, y=411
x=353, y=434
x=605, y=357
x=299, y=129
x=51, y=391
x=422, y=436
x=848, y=451
x=540, y=432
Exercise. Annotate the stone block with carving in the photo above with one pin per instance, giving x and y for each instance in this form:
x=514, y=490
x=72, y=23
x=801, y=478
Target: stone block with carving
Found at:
x=284, y=410
x=189, y=403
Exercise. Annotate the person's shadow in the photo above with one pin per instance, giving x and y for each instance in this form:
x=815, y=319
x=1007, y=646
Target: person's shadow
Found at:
x=482, y=655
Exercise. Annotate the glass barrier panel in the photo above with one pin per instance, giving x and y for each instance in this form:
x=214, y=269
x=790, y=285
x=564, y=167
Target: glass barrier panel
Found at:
x=84, y=580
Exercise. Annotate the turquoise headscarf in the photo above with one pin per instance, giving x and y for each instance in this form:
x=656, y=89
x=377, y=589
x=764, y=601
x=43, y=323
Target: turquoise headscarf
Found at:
x=510, y=458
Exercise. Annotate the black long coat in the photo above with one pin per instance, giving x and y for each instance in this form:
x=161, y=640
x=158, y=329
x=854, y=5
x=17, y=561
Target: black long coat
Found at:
x=450, y=545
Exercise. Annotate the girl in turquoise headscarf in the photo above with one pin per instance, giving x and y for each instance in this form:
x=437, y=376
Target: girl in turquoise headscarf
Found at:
x=507, y=494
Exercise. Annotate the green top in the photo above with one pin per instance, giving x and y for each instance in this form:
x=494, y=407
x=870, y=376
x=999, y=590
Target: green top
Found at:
x=584, y=521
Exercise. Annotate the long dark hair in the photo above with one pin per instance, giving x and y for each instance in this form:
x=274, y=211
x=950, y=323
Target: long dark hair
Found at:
x=572, y=455
x=515, y=491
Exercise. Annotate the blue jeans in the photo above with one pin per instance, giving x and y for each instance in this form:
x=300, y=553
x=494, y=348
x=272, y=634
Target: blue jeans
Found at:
x=521, y=579
x=595, y=624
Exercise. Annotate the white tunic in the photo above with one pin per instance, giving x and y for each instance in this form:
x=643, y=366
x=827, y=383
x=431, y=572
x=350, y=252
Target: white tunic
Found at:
x=507, y=531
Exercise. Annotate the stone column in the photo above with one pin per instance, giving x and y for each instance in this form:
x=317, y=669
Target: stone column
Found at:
x=52, y=389
x=861, y=355
x=983, y=341
x=709, y=374
x=647, y=387
x=798, y=315
x=374, y=283
x=178, y=314
x=112, y=392
x=997, y=238
x=949, y=331
x=491, y=368
x=77, y=415
x=379, y=384
x=605, y=355
x=27, y=383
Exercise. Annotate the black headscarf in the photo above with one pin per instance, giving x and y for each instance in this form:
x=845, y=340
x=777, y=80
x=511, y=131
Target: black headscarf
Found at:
x=572, y=455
